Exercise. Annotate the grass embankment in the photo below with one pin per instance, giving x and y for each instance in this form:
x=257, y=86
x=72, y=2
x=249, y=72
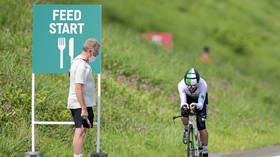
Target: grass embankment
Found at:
x=139, y=80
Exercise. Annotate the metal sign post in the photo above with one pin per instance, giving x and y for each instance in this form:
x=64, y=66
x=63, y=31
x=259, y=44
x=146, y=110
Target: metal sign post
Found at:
x=98, y=114
x=58, y=29
x=33, y=113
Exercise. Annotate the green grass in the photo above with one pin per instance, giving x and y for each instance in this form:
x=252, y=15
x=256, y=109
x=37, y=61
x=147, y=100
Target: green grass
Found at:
x=139, y=79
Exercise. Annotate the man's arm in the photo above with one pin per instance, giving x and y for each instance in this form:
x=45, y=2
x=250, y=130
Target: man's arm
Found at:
x=182, y=94
x=80, y=97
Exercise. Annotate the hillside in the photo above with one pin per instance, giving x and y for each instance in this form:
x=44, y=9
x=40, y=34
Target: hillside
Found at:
x=139, y=79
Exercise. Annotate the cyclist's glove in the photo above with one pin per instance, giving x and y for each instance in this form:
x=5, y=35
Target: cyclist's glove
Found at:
x=193, y=106
x=184, y=107
x=184, y=110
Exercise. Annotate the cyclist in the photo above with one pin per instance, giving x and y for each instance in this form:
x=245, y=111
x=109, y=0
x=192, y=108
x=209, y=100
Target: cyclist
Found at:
x=193, y=95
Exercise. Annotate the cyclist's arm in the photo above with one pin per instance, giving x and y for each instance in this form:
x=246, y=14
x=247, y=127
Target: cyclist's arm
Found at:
x=182, y=94
x=202, y=96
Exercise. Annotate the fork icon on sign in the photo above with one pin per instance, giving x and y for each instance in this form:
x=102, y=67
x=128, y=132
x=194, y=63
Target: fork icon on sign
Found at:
x=61, y=43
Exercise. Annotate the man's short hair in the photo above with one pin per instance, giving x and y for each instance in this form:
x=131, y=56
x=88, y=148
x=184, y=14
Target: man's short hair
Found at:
x=90, y=44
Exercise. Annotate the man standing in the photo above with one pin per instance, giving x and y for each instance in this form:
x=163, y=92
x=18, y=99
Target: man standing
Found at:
x=82, y=93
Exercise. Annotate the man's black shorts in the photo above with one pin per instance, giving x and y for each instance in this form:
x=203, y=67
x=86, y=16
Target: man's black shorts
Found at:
x=78, y=120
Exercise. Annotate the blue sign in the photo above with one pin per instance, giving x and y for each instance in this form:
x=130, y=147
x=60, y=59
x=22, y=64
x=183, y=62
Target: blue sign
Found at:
x=59, y=32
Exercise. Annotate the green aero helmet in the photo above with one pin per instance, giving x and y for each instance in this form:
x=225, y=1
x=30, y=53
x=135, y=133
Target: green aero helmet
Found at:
x=191, y=77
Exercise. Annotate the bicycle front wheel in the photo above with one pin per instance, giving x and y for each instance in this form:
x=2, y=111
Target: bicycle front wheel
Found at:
x=190, y=144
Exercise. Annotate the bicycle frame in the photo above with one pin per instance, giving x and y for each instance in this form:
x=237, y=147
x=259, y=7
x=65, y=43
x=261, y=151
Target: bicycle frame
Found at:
x=194, y=142
x=194, y=134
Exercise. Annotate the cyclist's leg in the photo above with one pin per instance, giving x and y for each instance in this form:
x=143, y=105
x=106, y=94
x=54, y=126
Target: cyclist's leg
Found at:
x=204, y=138
x=185, y=122
x=201, y=125
x=184, y=119
x=203, y=133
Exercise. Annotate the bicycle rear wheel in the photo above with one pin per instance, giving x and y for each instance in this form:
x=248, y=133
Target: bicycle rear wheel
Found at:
x=190, y=144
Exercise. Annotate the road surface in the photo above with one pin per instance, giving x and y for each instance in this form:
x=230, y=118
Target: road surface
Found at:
x=273, y=151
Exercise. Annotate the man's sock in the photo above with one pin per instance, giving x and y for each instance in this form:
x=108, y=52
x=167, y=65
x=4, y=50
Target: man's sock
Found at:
x=79, y=155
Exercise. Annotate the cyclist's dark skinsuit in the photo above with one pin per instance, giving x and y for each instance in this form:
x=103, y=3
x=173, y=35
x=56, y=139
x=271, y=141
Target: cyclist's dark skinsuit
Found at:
x=199, y=96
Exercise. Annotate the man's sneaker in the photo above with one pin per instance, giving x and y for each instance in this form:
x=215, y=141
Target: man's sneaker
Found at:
x=185, y=136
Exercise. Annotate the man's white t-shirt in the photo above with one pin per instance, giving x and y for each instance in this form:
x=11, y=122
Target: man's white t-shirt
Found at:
x=81, y=72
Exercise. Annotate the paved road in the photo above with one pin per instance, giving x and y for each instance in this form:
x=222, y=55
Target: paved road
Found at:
x=273, y=151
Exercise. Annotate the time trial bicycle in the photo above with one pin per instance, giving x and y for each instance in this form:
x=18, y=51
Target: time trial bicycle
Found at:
x=193, y=143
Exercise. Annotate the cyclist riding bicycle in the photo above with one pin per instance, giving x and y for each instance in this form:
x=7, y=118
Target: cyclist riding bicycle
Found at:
x=193, y=95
